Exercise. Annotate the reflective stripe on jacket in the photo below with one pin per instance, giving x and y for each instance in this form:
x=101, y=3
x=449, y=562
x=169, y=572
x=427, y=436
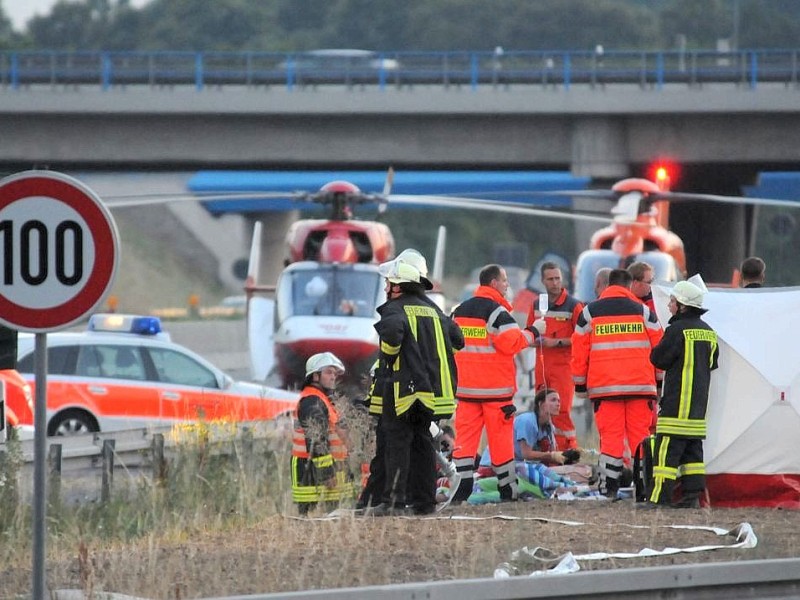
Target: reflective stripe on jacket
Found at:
x=688, y=353
x=309, y=444
x=611, y=347
x=492, y=337
x=417, y=341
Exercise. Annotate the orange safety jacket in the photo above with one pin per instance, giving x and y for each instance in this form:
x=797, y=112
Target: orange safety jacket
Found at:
x=561, y=318
x=335, y=447
x=611, y=347
x=492, y=337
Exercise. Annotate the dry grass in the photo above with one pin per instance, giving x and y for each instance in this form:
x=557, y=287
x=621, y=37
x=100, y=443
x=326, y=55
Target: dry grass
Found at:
x=224, y=525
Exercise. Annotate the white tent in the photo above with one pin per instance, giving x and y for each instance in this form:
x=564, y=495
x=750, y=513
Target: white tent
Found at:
x=752, y=451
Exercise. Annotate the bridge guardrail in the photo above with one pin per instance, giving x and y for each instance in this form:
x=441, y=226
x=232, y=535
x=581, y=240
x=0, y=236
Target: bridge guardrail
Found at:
x=647, y=69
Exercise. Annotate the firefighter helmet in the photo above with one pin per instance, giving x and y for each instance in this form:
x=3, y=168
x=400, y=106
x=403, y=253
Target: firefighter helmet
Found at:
x=317, y=362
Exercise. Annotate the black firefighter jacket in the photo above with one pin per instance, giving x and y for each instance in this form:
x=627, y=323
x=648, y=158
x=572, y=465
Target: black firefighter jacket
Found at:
x=417, y=341
x=688, y=353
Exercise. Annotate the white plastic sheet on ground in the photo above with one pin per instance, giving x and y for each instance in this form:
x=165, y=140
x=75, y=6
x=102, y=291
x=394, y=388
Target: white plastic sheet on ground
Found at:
x=568, y=562
x=555, y=564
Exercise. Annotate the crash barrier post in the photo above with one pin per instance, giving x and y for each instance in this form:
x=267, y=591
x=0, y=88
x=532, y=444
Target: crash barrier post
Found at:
x=54, y=467
x=108, y=470
x=3, y=423
x=159, y=462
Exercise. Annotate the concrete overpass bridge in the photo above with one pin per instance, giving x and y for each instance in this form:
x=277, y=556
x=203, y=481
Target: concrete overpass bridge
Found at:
x=722, y=135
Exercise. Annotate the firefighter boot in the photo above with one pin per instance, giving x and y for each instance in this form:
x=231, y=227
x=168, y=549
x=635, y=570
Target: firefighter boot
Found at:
x=507, y=483
x=463, y=491
x=688, y=500
x=609, y=486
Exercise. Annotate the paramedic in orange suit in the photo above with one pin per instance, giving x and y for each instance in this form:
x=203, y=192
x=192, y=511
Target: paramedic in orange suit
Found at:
x=487, y=382
x=554, y=350
x=611, y=365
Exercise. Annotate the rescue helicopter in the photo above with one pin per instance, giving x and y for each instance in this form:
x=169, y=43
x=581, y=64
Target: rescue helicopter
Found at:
x=639, y=231
x=325, y=297
x=316, y=307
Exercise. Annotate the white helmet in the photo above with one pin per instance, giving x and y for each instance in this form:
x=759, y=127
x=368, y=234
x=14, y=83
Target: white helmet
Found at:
x=317, y=362
x=317, y=287
x=688, y=294
x=416, y=260
x=399, y=271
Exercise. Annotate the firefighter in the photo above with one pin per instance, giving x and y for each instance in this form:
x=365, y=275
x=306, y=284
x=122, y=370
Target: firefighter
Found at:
x=487, y=381
x=319, y=442
x=416, y=379
x=611, y=365
x=688, y=353
x=555, y=350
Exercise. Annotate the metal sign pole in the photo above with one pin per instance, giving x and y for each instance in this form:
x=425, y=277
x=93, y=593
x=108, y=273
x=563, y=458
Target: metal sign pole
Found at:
x=75, y=276
x=39, y=479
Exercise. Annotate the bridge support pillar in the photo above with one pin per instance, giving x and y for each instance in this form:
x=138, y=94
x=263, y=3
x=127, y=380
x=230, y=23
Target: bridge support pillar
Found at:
x=599, y=148
x=599, y=151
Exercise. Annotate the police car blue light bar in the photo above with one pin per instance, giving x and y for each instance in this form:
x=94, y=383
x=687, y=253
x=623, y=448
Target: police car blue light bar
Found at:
x=137, y=324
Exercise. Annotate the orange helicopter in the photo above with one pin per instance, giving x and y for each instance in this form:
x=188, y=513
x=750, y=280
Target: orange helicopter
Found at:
x=638, y=232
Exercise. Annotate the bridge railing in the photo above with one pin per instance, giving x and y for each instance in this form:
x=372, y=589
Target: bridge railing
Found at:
x=651, y=69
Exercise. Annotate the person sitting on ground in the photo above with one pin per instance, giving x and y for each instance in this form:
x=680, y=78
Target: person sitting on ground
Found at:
x=534, y=443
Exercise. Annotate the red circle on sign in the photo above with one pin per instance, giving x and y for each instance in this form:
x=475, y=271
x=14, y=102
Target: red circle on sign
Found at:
x=102, y=231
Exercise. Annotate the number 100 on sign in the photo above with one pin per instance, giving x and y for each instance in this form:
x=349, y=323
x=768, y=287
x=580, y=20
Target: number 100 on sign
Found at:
x=46, y=253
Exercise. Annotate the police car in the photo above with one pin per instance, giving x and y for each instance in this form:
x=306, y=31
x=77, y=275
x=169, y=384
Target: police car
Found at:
x=124, y=373
x=18, y=406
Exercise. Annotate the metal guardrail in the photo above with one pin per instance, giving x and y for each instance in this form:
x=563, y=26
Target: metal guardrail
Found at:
x=81, y=451
x=731, y=580
x=648, y=69
x=74, y=458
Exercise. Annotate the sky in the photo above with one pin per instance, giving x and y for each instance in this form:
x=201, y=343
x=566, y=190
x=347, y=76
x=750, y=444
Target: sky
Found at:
x=20, y=11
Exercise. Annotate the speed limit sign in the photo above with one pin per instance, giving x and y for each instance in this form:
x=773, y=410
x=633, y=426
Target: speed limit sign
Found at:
x=58, y=251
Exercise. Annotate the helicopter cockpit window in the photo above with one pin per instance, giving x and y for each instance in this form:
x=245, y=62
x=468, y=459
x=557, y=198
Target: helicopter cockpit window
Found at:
x=589, y=263
x=592, y=261
x=663, y=264
x=333, y=292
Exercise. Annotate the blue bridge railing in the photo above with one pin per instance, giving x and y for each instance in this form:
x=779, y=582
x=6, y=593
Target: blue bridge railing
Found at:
x=653, y=69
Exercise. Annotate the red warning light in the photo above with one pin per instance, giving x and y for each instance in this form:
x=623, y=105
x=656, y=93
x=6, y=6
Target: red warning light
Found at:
x=661, y=173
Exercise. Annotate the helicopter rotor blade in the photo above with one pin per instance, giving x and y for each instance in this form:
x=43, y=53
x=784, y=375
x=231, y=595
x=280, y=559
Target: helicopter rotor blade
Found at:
x=490, y=205
x=603, y=194
x=134, y=200
x=739, y=200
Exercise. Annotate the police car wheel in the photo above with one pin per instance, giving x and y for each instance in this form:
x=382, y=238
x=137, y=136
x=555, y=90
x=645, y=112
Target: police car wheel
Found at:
x=72, y=422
